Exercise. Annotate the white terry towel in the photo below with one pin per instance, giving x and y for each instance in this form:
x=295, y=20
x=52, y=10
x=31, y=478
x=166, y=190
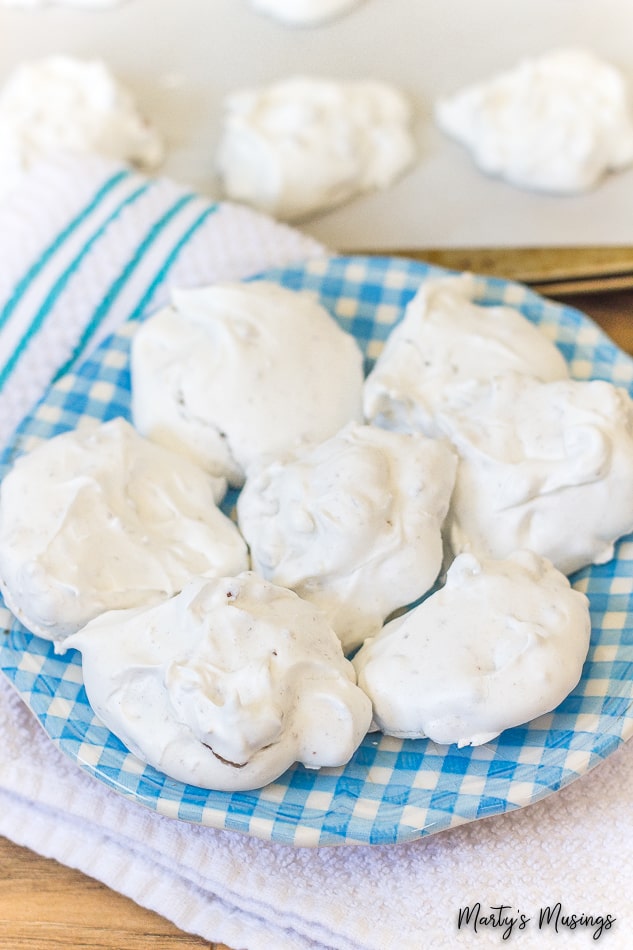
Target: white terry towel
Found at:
x=117, y=243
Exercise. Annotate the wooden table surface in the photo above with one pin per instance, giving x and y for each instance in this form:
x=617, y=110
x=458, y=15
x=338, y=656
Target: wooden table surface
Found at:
x=45, y=906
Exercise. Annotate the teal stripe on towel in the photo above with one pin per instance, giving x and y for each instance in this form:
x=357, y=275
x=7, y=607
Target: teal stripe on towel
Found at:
x=22, y=286
x=117, y=286
x=169, y=260
x=62, y=280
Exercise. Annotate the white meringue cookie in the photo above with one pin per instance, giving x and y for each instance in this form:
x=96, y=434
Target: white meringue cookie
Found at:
x=557, y=123
x=501, y=643
x=443, y=338
x=544, y=466
x=100, y=518
x=235, y=372
x=352, y=525
x=61, y=103
x=304, y=12
x=225, y=685
x=304, y=145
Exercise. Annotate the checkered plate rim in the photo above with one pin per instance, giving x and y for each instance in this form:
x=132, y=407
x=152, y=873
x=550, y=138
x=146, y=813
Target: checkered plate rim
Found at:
x=392, y=790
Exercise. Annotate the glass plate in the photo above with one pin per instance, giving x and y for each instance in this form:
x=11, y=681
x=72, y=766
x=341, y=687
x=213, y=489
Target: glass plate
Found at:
x=392, y=790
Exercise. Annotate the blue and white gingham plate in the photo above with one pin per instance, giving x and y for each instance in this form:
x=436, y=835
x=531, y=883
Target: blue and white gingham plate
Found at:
x=392, y=790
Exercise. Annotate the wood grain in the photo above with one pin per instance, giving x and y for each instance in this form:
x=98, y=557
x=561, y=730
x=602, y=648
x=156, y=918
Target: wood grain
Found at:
x=45, y=906
x=614, y=313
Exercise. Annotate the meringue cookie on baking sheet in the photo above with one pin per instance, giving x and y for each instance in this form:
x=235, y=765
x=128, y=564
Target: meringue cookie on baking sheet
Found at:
x=352, y=525
x=544, y=466
x=556, y=123
x=443, y=338
x=63, y=103
x=225, y=685
x=304, y=144
x=100, y=518
x=304, y=12
x=500, y=644
x=238, y=371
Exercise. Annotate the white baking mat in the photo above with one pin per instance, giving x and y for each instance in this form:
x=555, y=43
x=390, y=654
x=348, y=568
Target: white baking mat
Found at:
x=181, y=56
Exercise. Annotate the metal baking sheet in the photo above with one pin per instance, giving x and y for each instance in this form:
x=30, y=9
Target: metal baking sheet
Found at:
x=181, y=58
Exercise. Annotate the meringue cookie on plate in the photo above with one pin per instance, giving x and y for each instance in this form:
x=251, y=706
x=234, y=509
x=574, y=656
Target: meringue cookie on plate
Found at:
x=353, y=525
x=501, y=643
x=445, y=337
x=304, y=144
x=225, y=685
x=544, y=466
x=100, y=518
x=233, y=373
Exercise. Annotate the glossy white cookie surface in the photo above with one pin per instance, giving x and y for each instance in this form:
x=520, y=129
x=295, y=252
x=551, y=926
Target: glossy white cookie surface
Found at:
x=555, y=123
x=234, y=373
x=63, y=103
x=306, y=144
x=225, y=685
x=100, y=518
x=543, y=466
x=353, y=525
x=446, y=336
x=501, y=643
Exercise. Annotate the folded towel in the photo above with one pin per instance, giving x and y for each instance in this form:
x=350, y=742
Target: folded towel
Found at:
x=83, y=247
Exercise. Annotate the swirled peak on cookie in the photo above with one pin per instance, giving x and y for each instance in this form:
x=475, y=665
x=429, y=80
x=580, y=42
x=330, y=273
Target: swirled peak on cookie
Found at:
x=234, y=373
x=100, y=518
x=353, y=525
x=446, y=336
x=544, y=466
x=225, y=685
x=501, y=643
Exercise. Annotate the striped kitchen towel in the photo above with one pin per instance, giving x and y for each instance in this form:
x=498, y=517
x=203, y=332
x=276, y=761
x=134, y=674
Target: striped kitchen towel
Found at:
x=87, y=244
